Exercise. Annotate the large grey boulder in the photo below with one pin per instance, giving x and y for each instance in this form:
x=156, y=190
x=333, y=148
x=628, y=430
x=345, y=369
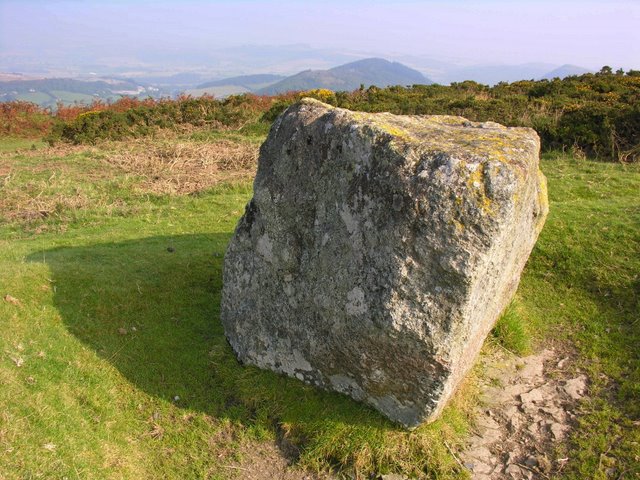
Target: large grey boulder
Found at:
x=379, y=250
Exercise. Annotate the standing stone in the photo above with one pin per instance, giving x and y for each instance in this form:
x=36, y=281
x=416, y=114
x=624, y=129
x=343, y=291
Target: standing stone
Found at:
x=379, y=250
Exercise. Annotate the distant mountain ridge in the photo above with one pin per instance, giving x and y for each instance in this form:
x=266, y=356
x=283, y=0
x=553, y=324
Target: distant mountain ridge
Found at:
x=48, y=91
x=68, y=84
x=246, y=81
x=493, y=74
x=347, y=77
x=565, y=71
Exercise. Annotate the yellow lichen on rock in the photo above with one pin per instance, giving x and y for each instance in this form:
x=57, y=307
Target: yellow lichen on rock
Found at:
x=477, y=187
x=543, y=200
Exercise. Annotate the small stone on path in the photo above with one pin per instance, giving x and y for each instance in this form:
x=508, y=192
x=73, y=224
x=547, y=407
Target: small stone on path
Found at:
x=558, y=431
x=576, y=387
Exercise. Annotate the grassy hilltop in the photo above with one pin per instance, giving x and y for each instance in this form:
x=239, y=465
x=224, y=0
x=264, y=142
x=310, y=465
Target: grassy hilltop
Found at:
x=113, y=362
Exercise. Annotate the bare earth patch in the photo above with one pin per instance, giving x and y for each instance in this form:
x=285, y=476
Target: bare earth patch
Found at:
x=261, y=461
x=528, y=408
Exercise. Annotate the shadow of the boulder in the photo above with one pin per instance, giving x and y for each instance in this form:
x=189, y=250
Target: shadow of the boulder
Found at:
x=150, y=307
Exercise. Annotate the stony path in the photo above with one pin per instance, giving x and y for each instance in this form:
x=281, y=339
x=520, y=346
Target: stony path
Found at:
x=528, y=407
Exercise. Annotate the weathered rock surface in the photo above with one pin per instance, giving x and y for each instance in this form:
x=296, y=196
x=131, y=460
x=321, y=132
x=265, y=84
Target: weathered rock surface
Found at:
x=378, y=251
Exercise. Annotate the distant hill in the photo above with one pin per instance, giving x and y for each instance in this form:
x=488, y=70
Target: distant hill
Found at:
x=47, y=92
x=493, y=74
x=367, y=72
x=247, y=81
x=217, y=92
x=185, y=79
x=565, y=71
x=235, y=85
x=9, y=77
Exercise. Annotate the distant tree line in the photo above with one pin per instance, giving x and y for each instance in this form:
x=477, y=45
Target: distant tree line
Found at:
x=592, y=115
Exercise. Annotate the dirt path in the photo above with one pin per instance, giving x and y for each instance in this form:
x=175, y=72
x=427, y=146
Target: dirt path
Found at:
x=262, y=461
x=528, y=407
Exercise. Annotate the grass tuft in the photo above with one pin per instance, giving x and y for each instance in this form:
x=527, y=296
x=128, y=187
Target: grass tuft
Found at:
x=510, y=331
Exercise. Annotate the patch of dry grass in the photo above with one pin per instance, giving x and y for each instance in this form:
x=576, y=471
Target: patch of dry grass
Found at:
x=48, y=151
x=36, y=184
x=183, y=167
x=46, y=191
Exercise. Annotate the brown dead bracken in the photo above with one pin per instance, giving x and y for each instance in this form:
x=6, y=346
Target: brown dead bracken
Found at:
x=185, y=167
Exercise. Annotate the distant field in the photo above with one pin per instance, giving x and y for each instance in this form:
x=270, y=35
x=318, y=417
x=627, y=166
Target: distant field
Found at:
x=226, y=90
x=114, y=365
x=40, y=98
x=218, y=92
x=51, y=98
x=71, y=97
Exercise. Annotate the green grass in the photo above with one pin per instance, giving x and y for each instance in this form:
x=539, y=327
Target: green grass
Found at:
x=105, y=399
x=124, y=371
x=511, y=331
x=582, y=286
x=11, y=144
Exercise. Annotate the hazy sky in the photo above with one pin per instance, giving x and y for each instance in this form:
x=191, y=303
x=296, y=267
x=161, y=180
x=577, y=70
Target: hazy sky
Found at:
x=589, y=33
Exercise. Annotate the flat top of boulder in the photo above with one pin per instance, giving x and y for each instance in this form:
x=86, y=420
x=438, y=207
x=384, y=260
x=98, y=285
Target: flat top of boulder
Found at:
x=446, y=133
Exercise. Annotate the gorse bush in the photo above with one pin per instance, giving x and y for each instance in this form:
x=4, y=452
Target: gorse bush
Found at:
x=595, y=114
x=280, y=102
x=592, y=115
x=142, y=118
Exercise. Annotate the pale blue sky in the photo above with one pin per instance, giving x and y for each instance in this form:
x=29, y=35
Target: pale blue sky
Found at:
x=587, y=32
